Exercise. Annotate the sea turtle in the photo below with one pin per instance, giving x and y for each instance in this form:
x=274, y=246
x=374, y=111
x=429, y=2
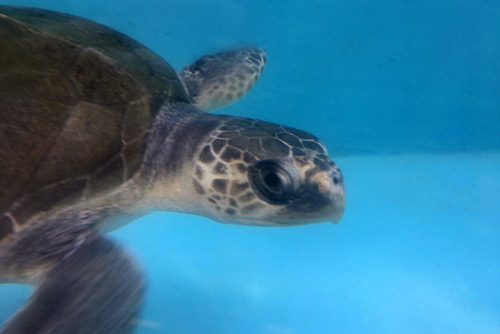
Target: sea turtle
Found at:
x=96, y=130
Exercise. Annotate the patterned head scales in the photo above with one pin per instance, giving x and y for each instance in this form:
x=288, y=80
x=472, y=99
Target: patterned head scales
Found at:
x=260, y=173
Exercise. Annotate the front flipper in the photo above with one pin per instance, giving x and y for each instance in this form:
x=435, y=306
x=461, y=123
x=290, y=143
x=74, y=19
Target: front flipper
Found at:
x=218, y=80
x=97, y=289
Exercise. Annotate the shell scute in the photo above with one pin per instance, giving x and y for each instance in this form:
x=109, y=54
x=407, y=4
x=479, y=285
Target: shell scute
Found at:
x=76, y=101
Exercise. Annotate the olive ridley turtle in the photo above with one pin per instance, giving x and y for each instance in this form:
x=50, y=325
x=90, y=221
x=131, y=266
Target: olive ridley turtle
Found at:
x=97, y=130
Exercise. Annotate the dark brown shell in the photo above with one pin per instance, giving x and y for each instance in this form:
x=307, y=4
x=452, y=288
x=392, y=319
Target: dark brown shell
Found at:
x=76, y=100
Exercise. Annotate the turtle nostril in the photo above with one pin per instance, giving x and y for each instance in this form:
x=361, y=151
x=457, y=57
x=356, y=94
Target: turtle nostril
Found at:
x=336, y=176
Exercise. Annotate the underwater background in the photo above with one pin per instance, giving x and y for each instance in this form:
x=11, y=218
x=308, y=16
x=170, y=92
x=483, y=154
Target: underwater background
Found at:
x=406, y=96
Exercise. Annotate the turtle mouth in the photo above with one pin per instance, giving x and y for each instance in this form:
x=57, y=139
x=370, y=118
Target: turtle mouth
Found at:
x=331, y=213
x=278, y=222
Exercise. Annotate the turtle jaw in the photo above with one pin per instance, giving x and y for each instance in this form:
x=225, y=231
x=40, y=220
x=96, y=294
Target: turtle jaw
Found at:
x=324, y=199
x=319, y=206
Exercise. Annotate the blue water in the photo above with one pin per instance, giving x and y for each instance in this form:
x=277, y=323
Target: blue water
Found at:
x=406, y=95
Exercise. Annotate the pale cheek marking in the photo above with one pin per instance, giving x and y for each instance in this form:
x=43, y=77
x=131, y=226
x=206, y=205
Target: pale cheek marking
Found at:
x=323, y=181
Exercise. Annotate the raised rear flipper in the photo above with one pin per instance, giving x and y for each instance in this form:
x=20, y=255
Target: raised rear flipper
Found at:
x=95, y=290
x=218, y=80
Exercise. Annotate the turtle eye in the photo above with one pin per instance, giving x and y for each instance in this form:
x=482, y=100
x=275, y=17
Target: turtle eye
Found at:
x=271, y=181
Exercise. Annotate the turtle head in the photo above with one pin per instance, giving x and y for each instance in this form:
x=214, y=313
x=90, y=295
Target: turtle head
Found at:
x=252, y=172
x=218, y=80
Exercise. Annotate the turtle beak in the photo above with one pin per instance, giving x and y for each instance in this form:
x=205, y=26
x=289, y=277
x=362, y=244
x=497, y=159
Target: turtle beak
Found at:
x=338, y=208
x=324, y=200
x=332, y=190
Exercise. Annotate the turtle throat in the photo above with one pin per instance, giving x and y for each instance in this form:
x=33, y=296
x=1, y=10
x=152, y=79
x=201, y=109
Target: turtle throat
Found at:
x=177, y=135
